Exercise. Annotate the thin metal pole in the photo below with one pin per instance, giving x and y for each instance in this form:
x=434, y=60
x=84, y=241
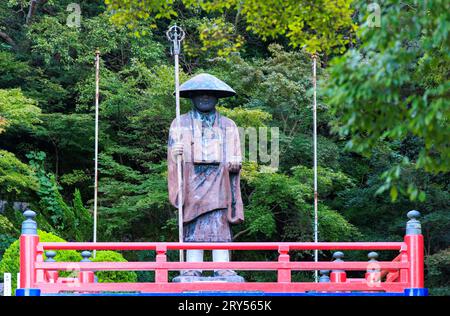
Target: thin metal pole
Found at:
x=316, y=235
x=180, y=178
x=176, y=35
x=97, y=81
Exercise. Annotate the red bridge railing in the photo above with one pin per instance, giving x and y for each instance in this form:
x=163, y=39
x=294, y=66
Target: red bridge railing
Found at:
x=404, y=274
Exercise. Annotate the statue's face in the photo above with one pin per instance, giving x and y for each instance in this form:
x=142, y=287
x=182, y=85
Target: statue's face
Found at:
x=204, y=102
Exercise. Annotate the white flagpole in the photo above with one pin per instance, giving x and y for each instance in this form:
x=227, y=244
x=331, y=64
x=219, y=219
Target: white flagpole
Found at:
x=316, y=237
x=176, y=35
x=97, y=81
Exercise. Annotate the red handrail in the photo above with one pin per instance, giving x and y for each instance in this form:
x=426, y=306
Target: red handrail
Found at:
x=407, y=266
x=229, y=246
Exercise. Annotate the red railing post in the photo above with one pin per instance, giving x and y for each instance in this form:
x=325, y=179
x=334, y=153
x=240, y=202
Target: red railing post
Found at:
x=51, y=276
x=404, y=273
x=161, y=275
x=284, y=274
x=29, y=240
x=86, y=276
x=415, y=251
x=373, y=274
x=40, y=277
x=338, y=276
x=324, y=278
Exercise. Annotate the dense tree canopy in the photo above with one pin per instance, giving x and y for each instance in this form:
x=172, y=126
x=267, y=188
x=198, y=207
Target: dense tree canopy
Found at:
x=395, y=86
x=383, y=114
x=318, y=25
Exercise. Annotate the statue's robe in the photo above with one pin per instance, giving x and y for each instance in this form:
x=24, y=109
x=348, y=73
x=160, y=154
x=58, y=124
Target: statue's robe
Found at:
x=211, y=194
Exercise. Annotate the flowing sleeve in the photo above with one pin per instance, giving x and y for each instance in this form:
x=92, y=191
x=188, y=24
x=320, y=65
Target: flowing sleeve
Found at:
x=172, y=177
x=234, y=154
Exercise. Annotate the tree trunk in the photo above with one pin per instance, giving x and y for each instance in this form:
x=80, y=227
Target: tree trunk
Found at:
x=7, y=39
x=32, y=9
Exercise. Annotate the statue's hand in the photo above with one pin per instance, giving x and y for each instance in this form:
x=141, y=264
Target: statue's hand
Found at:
x=234, y=166
x=177, y=149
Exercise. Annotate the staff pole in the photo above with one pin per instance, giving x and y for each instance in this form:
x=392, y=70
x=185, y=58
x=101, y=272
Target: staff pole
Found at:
x=316, y=219
x=175, y=34
x=97, y=92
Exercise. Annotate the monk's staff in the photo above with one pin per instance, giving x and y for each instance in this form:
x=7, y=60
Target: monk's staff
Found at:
x=316, y=218
x=175, y=34
x=97, y=93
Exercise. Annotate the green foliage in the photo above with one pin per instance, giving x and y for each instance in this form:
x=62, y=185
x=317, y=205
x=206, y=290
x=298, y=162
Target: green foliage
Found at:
x=320, y=26
x=436, y=224
x=131, y=201
x=334, y=227
x=5, y=242
x=15, y=176
x=393, y=78
x=11, y=258
x=66, y=137
x=219, y=37
x=13, y=70
x=328, y=181
x=6, y=227
x=246, y=117
x=438, y=272
x=113, y=276
x=11, y=261
x=16, y=109
x=279, y=207
x=71, y=222
x=130, y=12
x=59, y=45
x=392, y=87
x=297, y=151
x=83, y=218
x=74, y=177
x=8, y=234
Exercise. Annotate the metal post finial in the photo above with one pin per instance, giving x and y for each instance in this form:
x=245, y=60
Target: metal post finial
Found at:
x=175, y=34
x=338, y=275
x=373, y=262
x=86, y=255
x=50, y=256
x=338, y=255
x=324, y=276
x=413, y=226
x=29, y=226
x=373, y=256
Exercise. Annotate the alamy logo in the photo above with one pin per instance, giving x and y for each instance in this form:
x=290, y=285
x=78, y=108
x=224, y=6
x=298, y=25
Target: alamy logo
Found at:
x=374, y=19
x=74, y=18
x=209, y=145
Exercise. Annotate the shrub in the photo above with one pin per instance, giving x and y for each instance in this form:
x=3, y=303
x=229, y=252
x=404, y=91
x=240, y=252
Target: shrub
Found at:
x=8, y=234
x=438, y=276
x=5, y=242
x=6, y=227
x=70, y=222
x=11, y=263
x=113, y=276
